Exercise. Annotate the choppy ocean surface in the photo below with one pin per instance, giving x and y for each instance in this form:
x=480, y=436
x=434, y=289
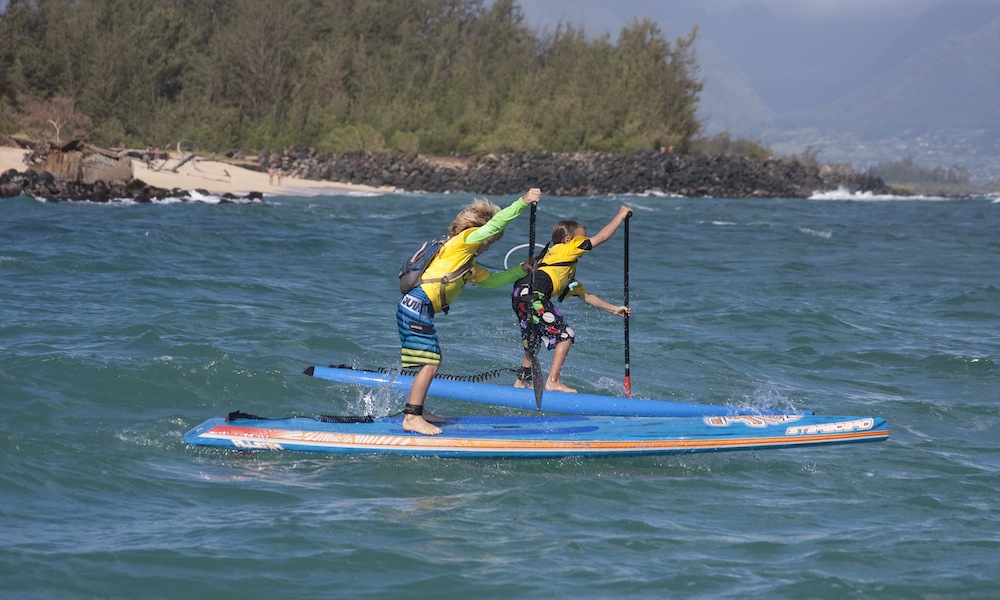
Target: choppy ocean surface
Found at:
x=122, y=326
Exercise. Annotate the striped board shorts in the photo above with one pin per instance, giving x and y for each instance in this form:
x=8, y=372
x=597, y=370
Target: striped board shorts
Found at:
x=417, y=334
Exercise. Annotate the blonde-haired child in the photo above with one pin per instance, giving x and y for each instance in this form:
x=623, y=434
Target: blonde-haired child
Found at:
x=473, y=230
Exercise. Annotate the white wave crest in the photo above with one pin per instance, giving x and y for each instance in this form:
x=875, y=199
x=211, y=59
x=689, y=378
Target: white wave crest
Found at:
x=846, y=194
x=813, y=232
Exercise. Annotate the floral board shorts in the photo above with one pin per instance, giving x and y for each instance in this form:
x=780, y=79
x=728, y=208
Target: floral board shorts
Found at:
x=540, y=320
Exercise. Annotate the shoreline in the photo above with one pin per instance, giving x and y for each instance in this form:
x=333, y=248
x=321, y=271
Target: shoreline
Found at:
x=215, y=177
x=581, y=173
x=309, y=173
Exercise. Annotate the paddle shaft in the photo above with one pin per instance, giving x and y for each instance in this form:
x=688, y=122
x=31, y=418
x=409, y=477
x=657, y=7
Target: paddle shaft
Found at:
x=628, y=375
x=531, y=235
x=531, y=232
x=536, y=370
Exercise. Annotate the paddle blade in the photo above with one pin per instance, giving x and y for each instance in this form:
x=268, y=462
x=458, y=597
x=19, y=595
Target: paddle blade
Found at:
x=537, y=381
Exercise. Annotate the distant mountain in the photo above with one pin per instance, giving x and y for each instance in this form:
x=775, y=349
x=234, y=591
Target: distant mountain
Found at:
x=955, y=18
x=728, y=101
x=865, y=84
x=940, y=105
x=952, y=83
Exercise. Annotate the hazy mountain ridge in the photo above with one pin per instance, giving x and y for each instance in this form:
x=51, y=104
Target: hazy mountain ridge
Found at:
x=728, y=101
x=945, y=85
x=939, y=105
x=956, y=18
x=861, y=87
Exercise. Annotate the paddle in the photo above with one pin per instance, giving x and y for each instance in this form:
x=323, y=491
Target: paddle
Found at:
x=628, y=376
x=536, y=370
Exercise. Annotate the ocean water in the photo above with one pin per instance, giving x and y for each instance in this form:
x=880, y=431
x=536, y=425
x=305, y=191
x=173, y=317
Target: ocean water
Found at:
x=122, y=326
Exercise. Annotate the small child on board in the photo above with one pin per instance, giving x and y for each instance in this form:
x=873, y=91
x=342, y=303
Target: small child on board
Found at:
x=472, y=232
x=555, y=277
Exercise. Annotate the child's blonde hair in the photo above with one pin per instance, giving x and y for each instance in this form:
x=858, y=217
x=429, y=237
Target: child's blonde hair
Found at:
x=476, y=214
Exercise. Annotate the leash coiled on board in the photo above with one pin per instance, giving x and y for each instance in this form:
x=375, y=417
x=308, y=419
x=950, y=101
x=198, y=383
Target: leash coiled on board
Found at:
x=475, y=378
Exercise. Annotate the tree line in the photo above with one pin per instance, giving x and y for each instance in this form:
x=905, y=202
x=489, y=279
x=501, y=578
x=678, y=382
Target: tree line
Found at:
x=430, y=76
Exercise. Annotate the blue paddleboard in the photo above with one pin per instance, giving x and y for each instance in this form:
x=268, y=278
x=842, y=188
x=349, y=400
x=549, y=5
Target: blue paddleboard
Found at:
x=537, y=436
x=524, y=399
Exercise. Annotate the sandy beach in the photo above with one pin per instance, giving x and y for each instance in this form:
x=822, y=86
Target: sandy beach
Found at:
x=216, y=177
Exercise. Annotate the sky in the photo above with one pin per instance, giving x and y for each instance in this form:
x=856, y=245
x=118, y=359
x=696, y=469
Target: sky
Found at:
x=799, y=73
x=613, y=14
x=820, y=9
x=794, y=54
x=761, y=61
x=814, y=8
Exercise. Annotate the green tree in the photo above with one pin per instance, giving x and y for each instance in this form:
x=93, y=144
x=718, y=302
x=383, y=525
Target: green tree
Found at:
x=438, y=75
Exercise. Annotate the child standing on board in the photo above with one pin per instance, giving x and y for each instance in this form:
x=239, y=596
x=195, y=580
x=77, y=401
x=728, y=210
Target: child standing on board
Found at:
x=472, y=232
x=555, y=277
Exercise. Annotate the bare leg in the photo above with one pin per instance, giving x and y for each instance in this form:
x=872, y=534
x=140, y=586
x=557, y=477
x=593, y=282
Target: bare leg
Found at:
x=558, y=359
x=525, y=364
x=418, y=391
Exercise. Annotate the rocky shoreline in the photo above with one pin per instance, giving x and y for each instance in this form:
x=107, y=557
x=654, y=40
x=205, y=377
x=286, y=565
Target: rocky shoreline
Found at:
x=44, y=186
x=557, y=174
x=572, y=174
x=77, y=171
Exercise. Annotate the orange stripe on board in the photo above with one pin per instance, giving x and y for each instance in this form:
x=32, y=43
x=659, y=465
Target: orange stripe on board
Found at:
x=325, y=438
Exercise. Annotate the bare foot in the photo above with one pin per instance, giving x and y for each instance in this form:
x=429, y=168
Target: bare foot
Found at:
x=433, y=418
x=558, y=386
x=417, y=424
x=518, y=383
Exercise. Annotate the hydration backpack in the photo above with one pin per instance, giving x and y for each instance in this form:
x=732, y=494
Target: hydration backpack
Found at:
x=412, y=268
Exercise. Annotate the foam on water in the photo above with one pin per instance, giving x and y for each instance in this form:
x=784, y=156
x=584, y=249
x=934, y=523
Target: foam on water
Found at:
x=867, y=196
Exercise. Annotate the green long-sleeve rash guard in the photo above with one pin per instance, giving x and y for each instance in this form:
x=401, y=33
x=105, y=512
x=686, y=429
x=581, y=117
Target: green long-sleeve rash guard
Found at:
x=493, y=227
